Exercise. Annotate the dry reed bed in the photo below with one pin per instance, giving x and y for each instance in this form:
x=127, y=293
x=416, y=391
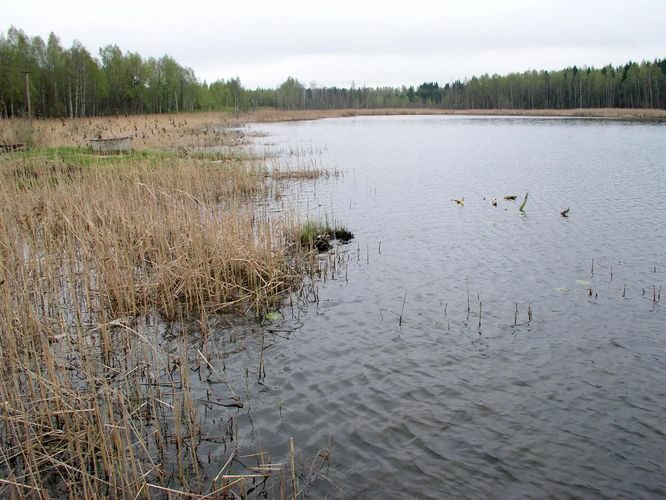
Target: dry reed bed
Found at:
x=91, y=401
x=213, y=129
x=274, y=115
x=148, y=131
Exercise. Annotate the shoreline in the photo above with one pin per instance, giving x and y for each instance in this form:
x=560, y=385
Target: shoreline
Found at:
x=273, y=115
x=206, y=128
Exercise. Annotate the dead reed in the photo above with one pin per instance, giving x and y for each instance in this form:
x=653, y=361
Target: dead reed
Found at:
x=95, y=258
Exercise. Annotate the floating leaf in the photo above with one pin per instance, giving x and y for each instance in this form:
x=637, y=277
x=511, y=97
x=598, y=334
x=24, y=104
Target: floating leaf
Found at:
x=583, y=283
x=273, y=316
x=561, y=289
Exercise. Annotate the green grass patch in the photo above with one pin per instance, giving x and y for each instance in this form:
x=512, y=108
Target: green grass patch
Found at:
x=85, y=157
x=319, y=235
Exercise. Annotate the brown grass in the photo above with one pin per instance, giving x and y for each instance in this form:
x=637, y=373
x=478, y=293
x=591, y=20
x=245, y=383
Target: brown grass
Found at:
x=97, y=259
x=148, y=131
x=174, y=236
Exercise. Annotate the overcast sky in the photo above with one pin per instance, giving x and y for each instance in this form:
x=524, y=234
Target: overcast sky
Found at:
x=372, y=43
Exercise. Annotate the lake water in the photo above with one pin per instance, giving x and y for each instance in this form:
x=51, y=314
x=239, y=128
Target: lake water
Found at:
x=531, y=358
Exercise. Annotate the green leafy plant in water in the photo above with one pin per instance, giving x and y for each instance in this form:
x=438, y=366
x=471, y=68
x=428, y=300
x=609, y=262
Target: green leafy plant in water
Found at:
x=318, y=235
x=273, y=316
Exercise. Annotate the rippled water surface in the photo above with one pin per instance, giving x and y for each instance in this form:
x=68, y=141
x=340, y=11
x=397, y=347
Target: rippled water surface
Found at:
x=531, y=358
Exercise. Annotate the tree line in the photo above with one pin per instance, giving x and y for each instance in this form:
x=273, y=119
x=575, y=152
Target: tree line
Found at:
x=73, y=83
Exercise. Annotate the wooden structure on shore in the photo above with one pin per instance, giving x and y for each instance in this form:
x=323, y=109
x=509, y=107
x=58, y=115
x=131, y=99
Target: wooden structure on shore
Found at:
x=10, y=148
x=113, y=145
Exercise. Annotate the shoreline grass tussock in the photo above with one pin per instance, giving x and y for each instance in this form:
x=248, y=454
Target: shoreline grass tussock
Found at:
x=318, y=235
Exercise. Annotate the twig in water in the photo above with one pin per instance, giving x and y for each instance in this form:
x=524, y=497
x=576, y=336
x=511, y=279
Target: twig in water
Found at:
x=515, y=316
x=529, y=313
x=592, y=271
x=624, y=290
x=294, y=492
x=480, y=317
x=467, y=281
x=522, y=205
x=402, y=309
x=262, y=369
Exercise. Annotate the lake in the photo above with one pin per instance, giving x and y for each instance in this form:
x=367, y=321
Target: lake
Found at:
x=475, y=350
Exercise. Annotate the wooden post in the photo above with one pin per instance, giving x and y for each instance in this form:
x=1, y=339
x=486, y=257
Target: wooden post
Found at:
x=26, y=74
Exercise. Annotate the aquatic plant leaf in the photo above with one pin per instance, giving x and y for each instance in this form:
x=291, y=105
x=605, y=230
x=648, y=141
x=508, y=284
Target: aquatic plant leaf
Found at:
x=561, y=289
x=583, y=282
x=273, y=316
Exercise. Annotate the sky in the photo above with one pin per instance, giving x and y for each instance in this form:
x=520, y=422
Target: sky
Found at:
x=370, y=43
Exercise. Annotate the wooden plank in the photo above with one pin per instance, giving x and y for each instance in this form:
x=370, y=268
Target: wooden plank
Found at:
x=9, y=148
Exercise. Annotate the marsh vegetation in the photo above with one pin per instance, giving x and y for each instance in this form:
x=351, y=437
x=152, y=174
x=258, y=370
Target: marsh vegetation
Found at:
x=117, y=273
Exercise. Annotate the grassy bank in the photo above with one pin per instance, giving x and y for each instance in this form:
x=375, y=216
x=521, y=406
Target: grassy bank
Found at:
x=99, y=258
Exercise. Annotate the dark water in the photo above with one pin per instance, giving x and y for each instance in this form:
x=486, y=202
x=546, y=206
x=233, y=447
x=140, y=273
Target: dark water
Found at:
x=561, y=390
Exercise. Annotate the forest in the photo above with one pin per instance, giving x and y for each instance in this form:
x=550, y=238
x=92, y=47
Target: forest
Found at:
x=72, y=82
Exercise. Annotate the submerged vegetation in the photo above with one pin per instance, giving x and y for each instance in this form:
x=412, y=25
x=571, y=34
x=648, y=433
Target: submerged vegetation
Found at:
x=114, y=271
